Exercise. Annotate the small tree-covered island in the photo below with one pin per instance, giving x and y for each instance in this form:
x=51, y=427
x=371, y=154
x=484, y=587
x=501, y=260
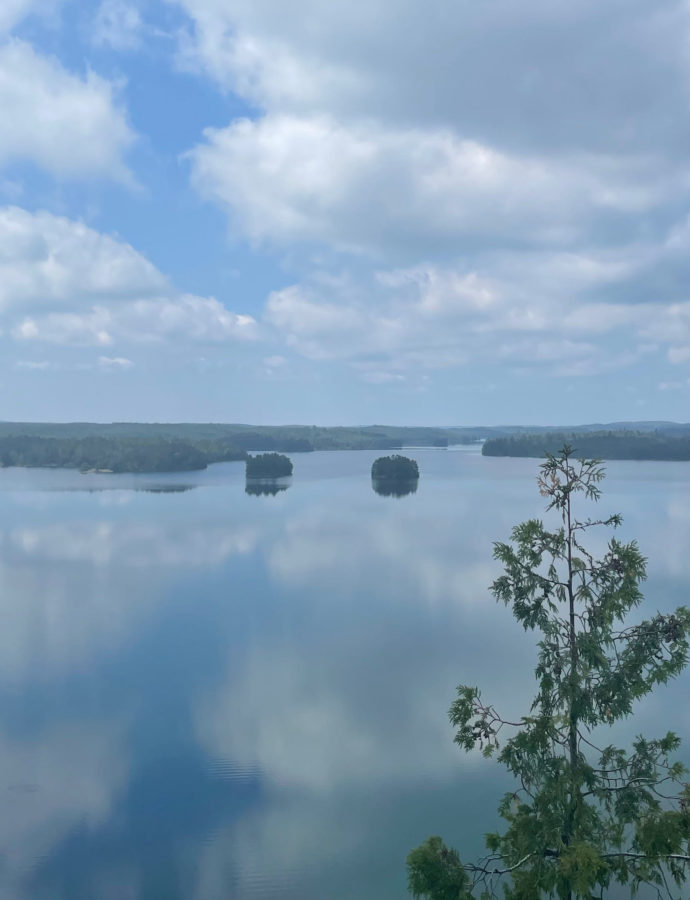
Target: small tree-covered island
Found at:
x=268, y=465
x=395, y=468
x=394, y=476
x=585, y=816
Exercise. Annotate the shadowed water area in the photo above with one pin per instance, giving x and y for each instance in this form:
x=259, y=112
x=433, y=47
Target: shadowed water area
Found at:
x=208, y=694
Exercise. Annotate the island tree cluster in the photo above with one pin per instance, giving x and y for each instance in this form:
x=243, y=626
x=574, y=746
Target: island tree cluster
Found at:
x=585, y=814
x=395, y=468
x=268, y=465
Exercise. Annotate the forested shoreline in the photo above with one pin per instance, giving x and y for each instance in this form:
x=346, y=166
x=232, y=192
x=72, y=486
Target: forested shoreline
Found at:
x=601, y=445
x=154, y=447
x=133, y=447
x=255, y=438
x=102, y=454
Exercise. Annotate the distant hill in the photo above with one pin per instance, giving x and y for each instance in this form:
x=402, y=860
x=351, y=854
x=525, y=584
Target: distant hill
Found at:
x=296, y=438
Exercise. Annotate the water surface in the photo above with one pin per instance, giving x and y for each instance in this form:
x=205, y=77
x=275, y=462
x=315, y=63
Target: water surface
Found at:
x=208, y=694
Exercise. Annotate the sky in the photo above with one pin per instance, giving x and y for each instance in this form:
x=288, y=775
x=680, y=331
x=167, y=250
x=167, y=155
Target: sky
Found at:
x=352, y=212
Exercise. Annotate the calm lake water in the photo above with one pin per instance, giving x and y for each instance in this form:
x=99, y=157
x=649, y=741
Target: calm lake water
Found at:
x=209, y=695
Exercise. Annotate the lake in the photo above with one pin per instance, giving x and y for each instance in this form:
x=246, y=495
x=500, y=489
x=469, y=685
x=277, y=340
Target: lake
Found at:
x=212, y=695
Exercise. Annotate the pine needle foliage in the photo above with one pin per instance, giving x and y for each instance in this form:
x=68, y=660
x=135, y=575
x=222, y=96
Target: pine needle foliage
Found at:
x=584, y=817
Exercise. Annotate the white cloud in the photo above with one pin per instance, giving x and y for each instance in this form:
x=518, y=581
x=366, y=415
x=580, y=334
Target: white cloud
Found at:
x=375, y=377
x=674, y=385
x=275, y=362
x=12, y=12
x=185, y=316
x=522, y=313
x=117, y=24
x=506, y=71
x=264, y=67
x=49, y=261
x=513, y=220
x=679, y=354
x=70, y=126
x=29, y=365
x=62, y=282
x=114, y=363
x=365, y=187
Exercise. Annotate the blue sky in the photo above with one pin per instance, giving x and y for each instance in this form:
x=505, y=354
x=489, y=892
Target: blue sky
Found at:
x=344, y=212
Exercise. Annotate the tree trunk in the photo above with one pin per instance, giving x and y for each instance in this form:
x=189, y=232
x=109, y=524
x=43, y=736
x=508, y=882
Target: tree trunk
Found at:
x=572, y=736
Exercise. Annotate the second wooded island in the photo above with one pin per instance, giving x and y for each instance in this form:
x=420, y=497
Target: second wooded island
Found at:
x=395, y=468
x=269, y=465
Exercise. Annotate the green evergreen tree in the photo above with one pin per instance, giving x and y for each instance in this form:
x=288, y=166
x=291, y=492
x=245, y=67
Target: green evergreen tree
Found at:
x=584, y=817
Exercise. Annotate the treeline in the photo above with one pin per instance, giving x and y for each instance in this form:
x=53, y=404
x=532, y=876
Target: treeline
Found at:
x=255, y=438
x=601, y=445
x=303, y=438
x=110, y=454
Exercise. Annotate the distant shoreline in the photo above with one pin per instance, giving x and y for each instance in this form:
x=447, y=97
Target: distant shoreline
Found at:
x=607, y=445
x=157, y=448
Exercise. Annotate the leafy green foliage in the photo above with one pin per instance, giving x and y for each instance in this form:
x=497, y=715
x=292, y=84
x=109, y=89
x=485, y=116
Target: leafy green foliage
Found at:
x=433, y=866
x=583, y=817
x=269, y=465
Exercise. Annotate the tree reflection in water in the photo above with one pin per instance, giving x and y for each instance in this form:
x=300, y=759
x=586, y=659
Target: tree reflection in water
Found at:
x=394, y=487
x=266, y=487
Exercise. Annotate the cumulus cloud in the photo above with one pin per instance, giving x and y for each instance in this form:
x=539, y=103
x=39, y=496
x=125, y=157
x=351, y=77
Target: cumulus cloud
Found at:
x=495, y=211
x=51, y=261
x=363, y=186
x=412, y=130
x=521, y=75
x=70, y=126
x=62, y=282
x=519, y=310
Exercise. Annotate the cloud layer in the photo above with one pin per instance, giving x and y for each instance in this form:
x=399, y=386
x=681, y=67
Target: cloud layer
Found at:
x=62, y=282
x=490, y=183
x=409, y=192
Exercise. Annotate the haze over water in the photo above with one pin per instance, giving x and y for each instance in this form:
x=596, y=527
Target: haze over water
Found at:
x=207, y=695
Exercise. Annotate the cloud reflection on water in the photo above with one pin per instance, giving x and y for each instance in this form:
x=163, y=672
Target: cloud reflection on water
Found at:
x=316, y=644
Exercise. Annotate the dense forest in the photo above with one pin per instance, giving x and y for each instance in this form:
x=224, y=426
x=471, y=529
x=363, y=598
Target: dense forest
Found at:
x=395, y=468
x=256, y=438
x=101, y=454
x=269, y=465
x=134, y=447
x=601, y=444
